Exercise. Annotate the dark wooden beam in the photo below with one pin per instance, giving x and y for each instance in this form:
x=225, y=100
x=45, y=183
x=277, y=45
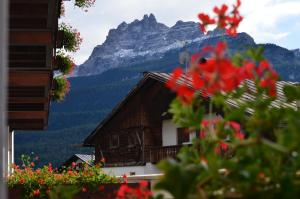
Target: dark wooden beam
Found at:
x=30, y=37
x=27, y=126
x=29, y=100
x=30, y=2
x=27, y=115
x=30, y=78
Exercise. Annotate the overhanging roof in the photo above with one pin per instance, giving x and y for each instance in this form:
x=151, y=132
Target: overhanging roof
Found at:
x=164, y=77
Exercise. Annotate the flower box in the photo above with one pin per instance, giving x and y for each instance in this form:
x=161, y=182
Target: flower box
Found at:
x=102, y=191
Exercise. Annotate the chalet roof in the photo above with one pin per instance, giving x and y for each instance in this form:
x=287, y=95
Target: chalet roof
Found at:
x=88, y=159
x=164, y=77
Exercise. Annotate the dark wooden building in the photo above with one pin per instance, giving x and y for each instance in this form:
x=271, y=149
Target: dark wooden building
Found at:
x=32, y=42
x=33, y=31
x=138, y=130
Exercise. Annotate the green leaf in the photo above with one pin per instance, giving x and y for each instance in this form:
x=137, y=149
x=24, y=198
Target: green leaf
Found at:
x=292, y=93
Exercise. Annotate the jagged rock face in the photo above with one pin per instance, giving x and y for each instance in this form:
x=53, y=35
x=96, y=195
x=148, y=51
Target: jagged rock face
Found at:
x=297, y=52
x=147, y=40
x=144, y=39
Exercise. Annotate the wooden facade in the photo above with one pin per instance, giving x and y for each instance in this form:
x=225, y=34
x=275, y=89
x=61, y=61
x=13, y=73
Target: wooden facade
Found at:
x=33, y=30
x=132, y=133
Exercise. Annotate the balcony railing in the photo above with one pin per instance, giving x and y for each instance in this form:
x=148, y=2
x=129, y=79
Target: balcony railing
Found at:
x=155, y=154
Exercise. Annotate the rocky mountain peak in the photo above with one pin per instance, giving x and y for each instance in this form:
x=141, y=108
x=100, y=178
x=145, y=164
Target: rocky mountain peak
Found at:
x=149, y=18
x=145, y=40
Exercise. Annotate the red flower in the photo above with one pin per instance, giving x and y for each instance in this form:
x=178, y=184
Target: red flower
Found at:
x=171, y=83
x=236, y=126
x=36, y=192
x=221, y=12
x=229, y=22
x=48, y=191
x=247, y=71
x=22, y=181
x=141, y=192
x=144, y=183
x=185, y=94
x=268, y=76
x=101, y=188
x=222, y=147
x=202, y=134
x=239, y=135
x=233, y=25
x=84, y=189
x=73, y=165
x=205, y=20
x=50, y=169
x=125, y=178
x=261, y=175
x=32, y=164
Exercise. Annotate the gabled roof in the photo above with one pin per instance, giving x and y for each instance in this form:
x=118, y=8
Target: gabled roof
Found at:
x=164, y=77
x=147, y=76
x=88, y=159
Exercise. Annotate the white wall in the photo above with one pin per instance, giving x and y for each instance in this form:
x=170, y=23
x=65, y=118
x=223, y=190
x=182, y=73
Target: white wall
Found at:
x=169, y=133
x=139, y=170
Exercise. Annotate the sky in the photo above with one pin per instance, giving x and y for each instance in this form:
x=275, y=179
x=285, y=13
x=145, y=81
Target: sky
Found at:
x=267, y=21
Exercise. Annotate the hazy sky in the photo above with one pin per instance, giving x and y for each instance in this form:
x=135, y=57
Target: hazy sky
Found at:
x=267, y=21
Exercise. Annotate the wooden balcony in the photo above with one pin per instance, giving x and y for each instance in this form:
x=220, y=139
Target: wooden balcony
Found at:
x=155, y=154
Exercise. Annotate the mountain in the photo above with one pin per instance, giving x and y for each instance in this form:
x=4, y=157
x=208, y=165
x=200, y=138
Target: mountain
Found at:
x=116, y=66
x=141, y=40
x=148, y=40
x=297, y=52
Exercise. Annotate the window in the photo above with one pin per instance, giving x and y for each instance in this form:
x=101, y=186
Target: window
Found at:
x=182, y=136
x=114, y=141
x=131, y=140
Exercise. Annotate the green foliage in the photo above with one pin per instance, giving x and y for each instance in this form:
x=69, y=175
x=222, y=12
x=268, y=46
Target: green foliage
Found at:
x=63, y=191
x=65, y=63
x=62, y=87
x=186, y=115
x=71, y=38
x=292, y=93
x=84, y=3
x=46, y=181
x=256, y=53
x=251, y=150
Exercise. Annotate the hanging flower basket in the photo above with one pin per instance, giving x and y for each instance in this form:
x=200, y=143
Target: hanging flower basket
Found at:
x=65, y=63
x=71, y=38
x=84, y=3
x=61, y=88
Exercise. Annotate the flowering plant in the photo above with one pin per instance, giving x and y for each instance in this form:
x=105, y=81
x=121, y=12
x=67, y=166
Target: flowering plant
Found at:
x=61, y=88
x=248, y=130
x=84, y=3
x=140, y=192
x=65, y=63
x=46, y=182
x=71, y=39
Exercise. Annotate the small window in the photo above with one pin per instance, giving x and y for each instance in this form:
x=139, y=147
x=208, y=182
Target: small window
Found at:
x=131, y=140
x=182, y=136
x=114, y=141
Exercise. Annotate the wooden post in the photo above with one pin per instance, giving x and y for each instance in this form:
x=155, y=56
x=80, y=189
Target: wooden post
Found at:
x=3, y=93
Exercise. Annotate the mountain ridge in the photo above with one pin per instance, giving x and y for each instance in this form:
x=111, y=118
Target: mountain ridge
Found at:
x=148, y=40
